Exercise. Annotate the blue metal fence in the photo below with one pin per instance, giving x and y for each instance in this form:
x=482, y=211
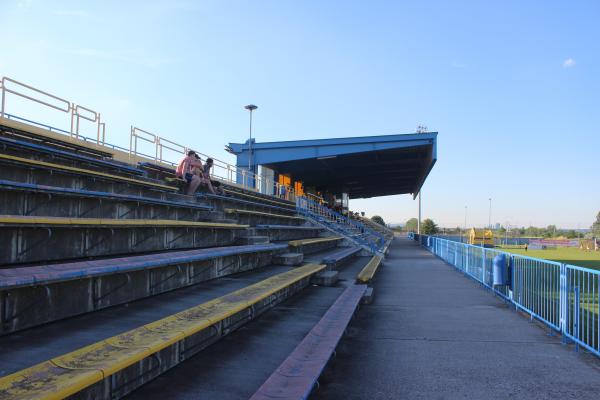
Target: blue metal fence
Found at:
x=563, y=296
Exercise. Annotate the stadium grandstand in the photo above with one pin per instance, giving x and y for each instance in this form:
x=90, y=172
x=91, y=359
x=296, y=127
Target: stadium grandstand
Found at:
x=111, y=276
x=115, y=284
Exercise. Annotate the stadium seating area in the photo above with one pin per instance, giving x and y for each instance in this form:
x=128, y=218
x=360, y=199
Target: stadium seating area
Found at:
x=109, y=276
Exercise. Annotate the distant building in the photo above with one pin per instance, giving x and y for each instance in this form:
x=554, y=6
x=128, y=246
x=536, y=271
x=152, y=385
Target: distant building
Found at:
x=481, y=237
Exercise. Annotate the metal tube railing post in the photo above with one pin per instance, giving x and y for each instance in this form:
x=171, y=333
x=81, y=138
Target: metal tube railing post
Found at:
x=467, y=259
x=563, y=299
x=483, y=255
x=72, y=109
x=576, y=318
x=3, y=98
x=98, y=134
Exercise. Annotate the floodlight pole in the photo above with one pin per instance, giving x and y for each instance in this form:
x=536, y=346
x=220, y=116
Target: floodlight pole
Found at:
x=250, y=107
x=465, y=228
x=490, y=214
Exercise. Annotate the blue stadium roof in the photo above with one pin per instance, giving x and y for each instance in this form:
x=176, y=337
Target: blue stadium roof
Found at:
x=366, y=166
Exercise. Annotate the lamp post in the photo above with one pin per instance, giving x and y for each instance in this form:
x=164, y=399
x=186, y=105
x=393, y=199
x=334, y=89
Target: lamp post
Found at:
x=465, y=227
x=250, y=107
x=490, y=214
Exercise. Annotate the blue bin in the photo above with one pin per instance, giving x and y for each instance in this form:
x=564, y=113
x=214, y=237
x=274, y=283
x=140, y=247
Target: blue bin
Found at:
x=500, y=271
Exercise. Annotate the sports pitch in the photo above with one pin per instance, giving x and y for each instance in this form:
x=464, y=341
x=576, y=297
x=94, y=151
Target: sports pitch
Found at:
x=566, y=255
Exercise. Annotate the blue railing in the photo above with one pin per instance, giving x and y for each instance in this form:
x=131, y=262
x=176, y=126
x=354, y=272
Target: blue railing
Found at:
x=565, y=297
x=339, y=223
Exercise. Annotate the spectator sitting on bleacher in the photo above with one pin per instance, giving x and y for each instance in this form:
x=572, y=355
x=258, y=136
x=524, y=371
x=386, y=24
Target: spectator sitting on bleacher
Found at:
x=185, y=171
x=206, y=178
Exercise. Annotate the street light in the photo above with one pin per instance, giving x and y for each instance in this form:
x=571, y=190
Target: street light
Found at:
x=490, y=214
x=250, y=107
x=465, y=227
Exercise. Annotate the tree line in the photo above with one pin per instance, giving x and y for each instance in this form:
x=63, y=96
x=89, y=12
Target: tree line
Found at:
x=429, y=227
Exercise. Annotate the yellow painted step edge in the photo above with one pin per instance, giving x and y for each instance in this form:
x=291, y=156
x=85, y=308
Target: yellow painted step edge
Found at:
x=83, y=171
x=302, y=242
x=259, y=198
x=236, y=211
x=73, y=379
x=27, y=220
x=368, y=272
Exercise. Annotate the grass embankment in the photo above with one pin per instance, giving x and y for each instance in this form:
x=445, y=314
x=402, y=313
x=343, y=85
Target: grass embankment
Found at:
x=567, y=255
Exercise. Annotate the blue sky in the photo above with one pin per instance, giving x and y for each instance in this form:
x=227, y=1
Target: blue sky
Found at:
x=512, y=87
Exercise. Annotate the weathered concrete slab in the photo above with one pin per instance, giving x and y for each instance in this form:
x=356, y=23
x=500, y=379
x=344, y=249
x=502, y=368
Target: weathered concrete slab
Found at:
x=252, y=240
x=325, y=278
x=368, y=296
x=270, y=339
x=289, y=258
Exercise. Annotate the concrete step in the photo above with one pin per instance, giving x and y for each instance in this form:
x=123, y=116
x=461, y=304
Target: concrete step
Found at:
x=325, y=278
x=227, y=221
x=367, y=298
x=253, y=240
x=288, y=259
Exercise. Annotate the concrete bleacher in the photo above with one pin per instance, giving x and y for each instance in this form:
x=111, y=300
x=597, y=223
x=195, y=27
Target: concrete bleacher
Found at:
x=288, y=232
x=230, y=201
x=99, y=367
x=106, y=282
x=25, y=130
x=39, y=152
x=254, y=218
x=58, y=238
x=312, y=245
x=83, y=225
x=22, y=169
x=20, y=198
x=296, y=377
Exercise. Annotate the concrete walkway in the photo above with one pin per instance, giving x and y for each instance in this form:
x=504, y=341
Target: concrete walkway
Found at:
x=433, y=333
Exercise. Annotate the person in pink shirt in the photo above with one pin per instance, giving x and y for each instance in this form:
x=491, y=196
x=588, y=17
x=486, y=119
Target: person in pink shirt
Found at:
x=185, y=171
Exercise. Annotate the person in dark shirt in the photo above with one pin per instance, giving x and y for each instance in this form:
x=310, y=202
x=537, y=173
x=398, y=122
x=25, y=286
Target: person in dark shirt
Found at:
x=206, y=178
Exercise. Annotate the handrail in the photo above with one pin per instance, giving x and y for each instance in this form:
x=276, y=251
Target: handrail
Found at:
x=60, y=104
x=220, y=169
x=224, y=171
x=340, y=222
x=314, y=197
x=15, y=92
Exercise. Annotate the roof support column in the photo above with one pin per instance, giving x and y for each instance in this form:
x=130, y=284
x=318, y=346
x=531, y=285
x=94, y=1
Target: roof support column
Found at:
x=419, y=219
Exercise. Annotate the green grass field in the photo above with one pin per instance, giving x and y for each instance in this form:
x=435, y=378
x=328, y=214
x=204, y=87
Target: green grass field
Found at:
x=566, y=255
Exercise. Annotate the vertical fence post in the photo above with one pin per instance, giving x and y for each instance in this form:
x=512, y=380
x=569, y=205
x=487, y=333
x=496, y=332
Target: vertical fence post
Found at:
x=563, y=300
x=511, y=266
x=576, y=318
x=456, y=254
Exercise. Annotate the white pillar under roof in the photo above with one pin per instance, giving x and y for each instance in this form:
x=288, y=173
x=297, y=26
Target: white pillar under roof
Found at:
x=419, y=219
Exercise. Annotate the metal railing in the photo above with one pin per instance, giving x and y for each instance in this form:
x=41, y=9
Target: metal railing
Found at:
x=565, y=297
x=339, y=223
x=168, y=152
x=384, y=230
x=76, y=112
x=314, y=197
x=164, y=150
